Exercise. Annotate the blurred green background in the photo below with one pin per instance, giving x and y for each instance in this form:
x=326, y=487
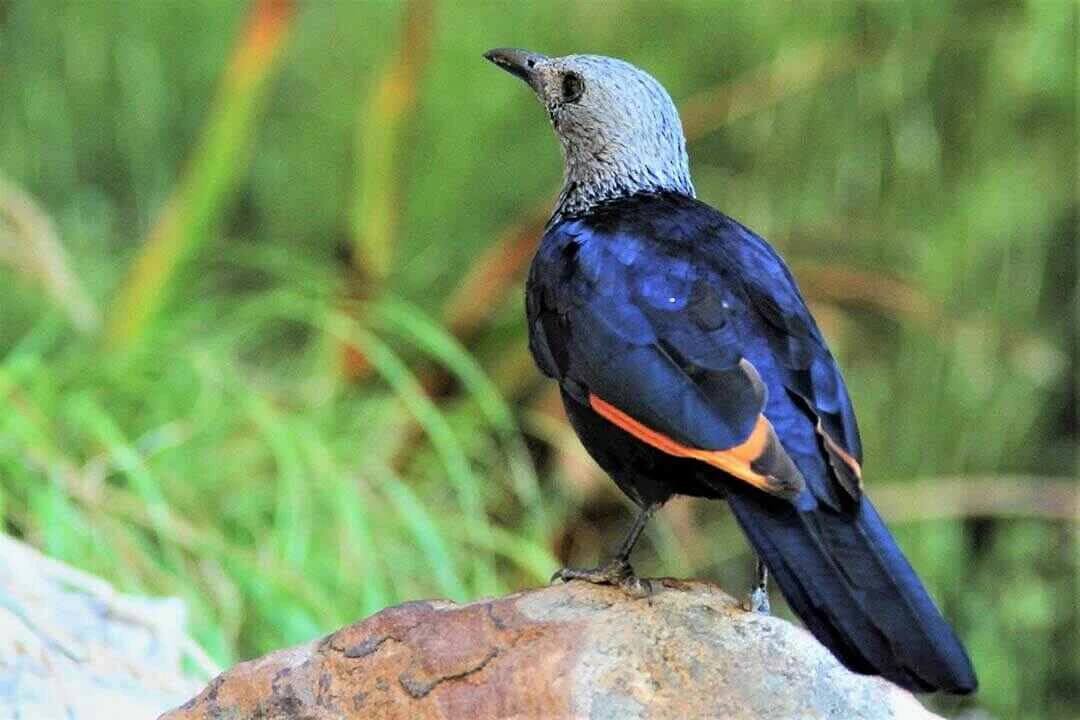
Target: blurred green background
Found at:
x=261, y=336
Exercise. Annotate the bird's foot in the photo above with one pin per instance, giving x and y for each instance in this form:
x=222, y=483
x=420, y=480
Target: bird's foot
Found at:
x=617, y=572
x=757, y=601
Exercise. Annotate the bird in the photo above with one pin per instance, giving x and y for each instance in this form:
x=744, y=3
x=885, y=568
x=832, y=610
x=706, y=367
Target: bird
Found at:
x=689, y=364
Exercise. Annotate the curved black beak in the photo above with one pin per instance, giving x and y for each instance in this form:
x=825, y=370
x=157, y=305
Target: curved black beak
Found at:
x=515, y=61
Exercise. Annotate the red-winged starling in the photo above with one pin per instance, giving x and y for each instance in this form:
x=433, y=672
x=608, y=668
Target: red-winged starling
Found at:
x=689, y=364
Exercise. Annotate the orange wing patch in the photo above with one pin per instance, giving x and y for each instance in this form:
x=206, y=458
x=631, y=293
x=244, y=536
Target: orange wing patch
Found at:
x=842, y=453
x=737, y=461
x=838, y=453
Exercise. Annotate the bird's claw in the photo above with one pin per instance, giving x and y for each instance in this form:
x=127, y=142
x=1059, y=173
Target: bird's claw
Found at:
x=638, y=587
x=612, y=573
x=617, y=572
x=757, y=601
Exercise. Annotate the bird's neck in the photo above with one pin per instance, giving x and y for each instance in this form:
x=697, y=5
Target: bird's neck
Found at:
x=610, y=177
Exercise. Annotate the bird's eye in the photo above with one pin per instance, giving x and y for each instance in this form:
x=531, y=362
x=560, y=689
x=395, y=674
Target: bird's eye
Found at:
x=572, y=87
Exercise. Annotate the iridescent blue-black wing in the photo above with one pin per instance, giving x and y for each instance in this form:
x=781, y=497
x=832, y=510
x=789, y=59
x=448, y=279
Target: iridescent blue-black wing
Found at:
x=652, y=341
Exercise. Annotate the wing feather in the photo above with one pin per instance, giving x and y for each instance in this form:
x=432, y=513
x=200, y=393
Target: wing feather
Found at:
x=689, y=327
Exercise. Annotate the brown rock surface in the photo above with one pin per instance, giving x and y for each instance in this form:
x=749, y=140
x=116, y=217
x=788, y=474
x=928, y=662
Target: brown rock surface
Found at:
x=567, y=651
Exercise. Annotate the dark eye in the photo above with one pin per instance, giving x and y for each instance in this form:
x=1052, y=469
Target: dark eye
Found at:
x=572, y=87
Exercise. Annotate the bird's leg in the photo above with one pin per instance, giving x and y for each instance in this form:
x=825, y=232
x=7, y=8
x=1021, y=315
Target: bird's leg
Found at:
x=617, y=571
x=758, y=600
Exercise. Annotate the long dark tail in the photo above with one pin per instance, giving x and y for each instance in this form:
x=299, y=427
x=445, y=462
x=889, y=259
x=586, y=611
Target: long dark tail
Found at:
x=844, y=576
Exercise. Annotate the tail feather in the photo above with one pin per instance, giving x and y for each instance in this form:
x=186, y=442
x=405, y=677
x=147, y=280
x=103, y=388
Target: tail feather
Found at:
x=846, y=579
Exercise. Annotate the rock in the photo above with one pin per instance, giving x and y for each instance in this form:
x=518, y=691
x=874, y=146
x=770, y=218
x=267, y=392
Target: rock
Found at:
x=72, y=648
x=566, y=651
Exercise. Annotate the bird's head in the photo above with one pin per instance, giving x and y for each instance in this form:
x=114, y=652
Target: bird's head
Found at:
x=619, y=129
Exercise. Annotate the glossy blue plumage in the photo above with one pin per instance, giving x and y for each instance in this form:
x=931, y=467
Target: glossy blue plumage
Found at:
x=651, y=304
x=655, y=303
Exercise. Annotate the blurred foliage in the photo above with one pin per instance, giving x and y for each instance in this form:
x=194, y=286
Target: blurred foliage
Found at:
x=349, y=186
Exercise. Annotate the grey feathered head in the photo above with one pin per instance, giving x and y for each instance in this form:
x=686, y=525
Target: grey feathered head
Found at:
x=619, y=129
